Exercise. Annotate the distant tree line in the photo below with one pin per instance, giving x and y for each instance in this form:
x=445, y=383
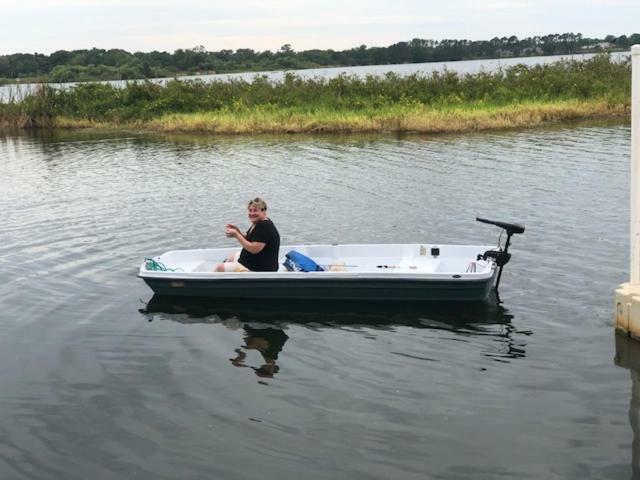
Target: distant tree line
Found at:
x=117, y=64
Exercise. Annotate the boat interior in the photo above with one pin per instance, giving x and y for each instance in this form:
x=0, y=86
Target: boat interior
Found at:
x=384, y=258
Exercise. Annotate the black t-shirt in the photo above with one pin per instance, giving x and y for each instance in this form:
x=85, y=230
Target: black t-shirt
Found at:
x=265, y=260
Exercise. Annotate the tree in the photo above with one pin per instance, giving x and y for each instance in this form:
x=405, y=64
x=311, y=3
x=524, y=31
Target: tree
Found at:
x=98, y=63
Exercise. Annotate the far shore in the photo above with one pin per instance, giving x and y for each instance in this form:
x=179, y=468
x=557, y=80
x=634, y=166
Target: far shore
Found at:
x=442, y=102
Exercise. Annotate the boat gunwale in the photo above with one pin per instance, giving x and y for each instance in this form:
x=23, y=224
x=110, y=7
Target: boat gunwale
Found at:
x=391, y=274
x=322, y=276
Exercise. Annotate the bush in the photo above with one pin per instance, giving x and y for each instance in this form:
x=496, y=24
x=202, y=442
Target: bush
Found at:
x=598, y=77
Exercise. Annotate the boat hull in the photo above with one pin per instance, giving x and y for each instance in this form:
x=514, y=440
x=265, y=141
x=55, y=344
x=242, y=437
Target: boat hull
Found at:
x=327, y=289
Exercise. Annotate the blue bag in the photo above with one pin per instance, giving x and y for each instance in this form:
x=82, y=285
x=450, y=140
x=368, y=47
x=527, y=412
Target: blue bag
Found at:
x=297, y=262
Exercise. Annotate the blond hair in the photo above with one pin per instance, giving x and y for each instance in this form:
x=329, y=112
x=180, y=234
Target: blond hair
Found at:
x=258, y=203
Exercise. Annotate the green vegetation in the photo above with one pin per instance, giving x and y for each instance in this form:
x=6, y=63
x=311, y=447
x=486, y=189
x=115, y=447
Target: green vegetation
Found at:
x=115, y=64
x=443, y=101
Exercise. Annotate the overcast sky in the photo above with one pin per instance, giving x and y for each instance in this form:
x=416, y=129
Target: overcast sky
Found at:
x=44, y=26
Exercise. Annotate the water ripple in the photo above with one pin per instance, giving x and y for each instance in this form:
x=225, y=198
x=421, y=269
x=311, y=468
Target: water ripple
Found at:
x=94, y=388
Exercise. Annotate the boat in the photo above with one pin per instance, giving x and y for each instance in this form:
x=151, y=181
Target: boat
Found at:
x=369, y=272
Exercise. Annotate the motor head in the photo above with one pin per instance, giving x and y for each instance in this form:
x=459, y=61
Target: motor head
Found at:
x=510, y=228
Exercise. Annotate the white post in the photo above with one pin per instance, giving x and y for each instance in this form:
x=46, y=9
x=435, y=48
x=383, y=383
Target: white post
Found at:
x=635, y=165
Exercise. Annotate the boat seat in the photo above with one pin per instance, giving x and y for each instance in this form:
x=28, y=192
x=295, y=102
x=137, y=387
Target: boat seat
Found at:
x=207, y=266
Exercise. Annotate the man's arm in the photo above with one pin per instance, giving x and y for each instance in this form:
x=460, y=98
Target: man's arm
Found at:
x=251, y=247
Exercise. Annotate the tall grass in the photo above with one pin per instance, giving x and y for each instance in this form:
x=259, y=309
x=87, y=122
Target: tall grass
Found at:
x=392, y=102
x=387, y=119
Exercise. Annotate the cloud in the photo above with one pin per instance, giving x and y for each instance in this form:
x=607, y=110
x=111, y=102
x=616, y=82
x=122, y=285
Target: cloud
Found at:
x=502, y=5
x=298, y=23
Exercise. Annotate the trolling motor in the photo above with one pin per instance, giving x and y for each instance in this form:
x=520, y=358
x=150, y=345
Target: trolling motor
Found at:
x=500, y=255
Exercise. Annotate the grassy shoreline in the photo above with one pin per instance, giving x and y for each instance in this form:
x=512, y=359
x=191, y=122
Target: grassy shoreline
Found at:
x=517, y=97
x=464, y=118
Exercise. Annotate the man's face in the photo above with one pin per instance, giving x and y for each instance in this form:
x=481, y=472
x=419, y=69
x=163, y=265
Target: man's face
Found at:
x=255, y=214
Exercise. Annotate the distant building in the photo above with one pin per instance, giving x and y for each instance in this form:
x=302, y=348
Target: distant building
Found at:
x=530, y=51
x=504, y=53
x=598, y=46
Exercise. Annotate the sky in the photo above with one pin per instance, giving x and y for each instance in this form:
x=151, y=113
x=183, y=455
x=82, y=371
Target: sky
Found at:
x=44, y=26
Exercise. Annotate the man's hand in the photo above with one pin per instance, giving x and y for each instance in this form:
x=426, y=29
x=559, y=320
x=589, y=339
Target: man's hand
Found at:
x=231, y=230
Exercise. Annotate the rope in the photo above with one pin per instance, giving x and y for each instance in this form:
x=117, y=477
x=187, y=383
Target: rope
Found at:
x=153, y=265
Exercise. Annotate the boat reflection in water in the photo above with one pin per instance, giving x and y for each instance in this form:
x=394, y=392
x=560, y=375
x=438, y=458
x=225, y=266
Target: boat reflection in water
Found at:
x=264, y=322
x=281, y=312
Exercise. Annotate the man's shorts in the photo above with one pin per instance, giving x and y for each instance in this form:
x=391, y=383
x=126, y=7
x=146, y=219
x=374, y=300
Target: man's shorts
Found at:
x=234, y=265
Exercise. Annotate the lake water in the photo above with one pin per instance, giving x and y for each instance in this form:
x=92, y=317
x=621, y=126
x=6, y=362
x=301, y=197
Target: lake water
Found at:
x=462, y=67
x=100, y=380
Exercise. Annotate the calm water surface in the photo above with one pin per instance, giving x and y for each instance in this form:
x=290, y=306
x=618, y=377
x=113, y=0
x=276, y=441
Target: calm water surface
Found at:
x=100, y=380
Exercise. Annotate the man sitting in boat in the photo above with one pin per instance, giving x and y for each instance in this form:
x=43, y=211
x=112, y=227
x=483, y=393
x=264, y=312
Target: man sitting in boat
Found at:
x=260, y=245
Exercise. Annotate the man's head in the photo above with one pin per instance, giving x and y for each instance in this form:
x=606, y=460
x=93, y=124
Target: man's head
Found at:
x=259, y=203
x=257, y=210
